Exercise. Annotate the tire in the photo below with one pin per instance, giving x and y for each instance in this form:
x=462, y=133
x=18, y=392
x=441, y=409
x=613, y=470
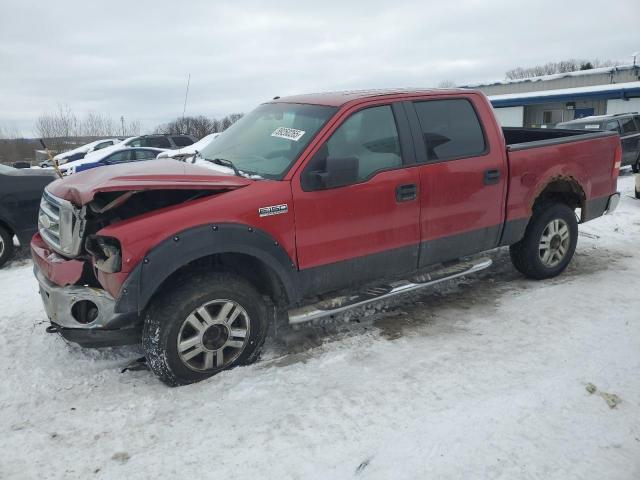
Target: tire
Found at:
x=6, y=246
x=548, y=226
x=637, y=193
x=635, y=168
x=209, y=313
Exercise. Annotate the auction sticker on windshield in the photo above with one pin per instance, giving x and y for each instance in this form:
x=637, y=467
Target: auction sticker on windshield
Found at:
x=288, y=133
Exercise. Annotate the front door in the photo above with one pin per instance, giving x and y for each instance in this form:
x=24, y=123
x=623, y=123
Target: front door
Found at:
x=462, y=178
x=366, y=228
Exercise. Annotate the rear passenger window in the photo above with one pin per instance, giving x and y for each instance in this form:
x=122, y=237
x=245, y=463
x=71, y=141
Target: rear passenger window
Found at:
x=146, y=154
x=158, y=142
x=450, y=129
x=182, y=141
x=628, y=126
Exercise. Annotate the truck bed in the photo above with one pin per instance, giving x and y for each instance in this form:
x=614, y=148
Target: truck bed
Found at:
x=536, y=155
x=522, y=138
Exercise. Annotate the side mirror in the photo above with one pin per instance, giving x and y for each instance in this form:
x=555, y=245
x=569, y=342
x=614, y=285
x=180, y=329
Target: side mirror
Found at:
x=338, y=172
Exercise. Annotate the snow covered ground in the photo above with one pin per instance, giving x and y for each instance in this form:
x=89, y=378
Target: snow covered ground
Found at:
x=482, y=378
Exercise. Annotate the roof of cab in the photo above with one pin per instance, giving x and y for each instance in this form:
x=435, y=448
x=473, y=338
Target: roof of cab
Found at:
x=337, y=99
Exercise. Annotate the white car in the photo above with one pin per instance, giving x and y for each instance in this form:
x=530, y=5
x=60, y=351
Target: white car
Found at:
x=189, y=151
x=111, y=156
x=82, y=151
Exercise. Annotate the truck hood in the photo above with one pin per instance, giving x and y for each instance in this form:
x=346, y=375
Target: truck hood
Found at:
x=81, y=188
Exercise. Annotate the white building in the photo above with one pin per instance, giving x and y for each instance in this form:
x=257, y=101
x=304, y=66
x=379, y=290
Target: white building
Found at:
x=550, y=99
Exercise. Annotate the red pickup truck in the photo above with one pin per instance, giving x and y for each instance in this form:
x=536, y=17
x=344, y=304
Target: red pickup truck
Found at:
x=308, y=206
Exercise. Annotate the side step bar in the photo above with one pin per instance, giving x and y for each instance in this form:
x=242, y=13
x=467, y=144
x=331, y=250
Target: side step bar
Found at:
x=336, y=305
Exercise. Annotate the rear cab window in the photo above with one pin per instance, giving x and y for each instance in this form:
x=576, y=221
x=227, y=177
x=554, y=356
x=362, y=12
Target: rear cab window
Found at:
x=451, y=129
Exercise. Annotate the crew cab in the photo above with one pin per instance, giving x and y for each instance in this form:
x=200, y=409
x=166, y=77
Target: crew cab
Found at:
x=308, y=206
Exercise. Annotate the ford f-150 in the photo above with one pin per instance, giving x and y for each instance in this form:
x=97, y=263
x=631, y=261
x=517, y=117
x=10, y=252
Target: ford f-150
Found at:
x=306, y=207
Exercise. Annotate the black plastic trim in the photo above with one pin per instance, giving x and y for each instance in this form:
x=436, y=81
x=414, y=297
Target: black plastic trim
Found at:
x=515, y=147
x=513, y=231
x=595, y=208
x=198, y=242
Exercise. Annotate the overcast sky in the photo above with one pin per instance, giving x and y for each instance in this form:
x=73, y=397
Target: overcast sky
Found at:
x=132, y=58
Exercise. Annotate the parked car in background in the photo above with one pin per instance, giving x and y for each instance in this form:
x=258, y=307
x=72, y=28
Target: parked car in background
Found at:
x=320, y=203
x=626, y=124
x=21, y=165
x=111, y=157
x=160, y=141
x=189, y=152
x=80, y=152
x=20, y=194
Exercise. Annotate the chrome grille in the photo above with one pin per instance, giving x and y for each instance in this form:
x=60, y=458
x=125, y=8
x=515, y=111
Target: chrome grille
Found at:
x=60, y=224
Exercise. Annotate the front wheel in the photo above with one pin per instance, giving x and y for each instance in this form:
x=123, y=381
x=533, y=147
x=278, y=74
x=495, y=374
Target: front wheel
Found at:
x=548, y=244
x=213, y=322
x=635, y=168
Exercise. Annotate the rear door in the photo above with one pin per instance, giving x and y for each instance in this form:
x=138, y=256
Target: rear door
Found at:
x=366, y=229
x=462, y=177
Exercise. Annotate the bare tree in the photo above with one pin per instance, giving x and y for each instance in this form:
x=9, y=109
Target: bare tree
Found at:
x=199, y=126
x=563, y=66
x=447, y=84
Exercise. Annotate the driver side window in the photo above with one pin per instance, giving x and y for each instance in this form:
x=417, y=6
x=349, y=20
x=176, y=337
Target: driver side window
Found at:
x=366, y=143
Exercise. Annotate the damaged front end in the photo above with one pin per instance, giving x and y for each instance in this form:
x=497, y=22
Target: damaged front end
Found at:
x=80, y=271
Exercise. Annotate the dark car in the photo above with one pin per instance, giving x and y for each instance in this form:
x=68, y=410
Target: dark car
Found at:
x=20, y=194
x=161, y=141
x=626, y=124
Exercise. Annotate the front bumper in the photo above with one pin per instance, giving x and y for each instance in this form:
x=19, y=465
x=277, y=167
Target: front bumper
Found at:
x=85, y=315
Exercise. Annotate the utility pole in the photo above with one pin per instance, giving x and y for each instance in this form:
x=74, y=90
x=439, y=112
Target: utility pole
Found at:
x=122, y=123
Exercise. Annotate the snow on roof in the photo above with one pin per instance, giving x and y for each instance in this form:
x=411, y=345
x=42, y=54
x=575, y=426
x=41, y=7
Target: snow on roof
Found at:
x=555, y=76
x=613, y=90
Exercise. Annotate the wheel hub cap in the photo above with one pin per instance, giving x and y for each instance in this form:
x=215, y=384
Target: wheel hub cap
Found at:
x=554, y=242
x=214, y=335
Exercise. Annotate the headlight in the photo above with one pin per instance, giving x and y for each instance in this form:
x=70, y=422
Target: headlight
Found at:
x=106, y=253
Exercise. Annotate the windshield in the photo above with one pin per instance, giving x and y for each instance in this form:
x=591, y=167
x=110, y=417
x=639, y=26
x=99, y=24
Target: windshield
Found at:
x=268, y=140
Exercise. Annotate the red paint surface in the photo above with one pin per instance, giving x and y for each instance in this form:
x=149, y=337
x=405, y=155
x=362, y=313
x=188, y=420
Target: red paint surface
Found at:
x=150, y=175
x=57, y=269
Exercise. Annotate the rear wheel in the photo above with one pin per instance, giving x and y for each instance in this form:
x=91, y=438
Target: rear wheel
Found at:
x=548, y=244
x=6, y=246
x=637, y=193
x=213, y=322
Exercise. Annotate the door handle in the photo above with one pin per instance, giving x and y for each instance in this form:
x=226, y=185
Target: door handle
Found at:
x=406, y=193
x=491, y=177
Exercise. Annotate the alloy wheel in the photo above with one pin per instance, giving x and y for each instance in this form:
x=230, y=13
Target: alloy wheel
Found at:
x=213, y=336
x=554, y=242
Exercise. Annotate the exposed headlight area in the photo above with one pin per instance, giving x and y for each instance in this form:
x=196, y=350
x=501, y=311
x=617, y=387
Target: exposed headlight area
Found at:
x=106, y=253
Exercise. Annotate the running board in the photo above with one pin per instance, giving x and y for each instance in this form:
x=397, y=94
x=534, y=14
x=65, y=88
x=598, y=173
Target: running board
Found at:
x=336, y=305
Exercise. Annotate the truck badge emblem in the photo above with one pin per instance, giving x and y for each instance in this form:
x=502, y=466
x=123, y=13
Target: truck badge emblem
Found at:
x=273, y=210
